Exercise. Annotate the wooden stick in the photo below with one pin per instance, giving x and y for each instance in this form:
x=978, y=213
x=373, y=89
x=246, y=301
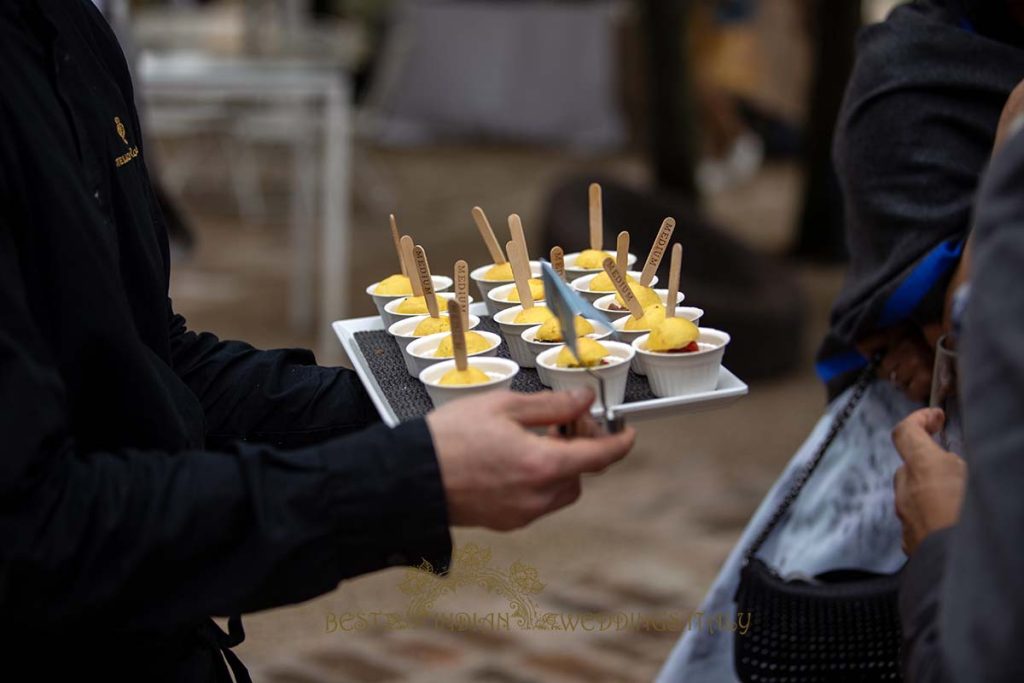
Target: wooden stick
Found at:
x=521, y=273
x=657, y=251
x=458, y=335
x=622, y=251
x=618, y=279
x=462, y=289
x=596, y=218
x=426, y=282
x=398, y=244
x=558, y=261
x=515, y=226
x=408, y=249
x=673, y=280
x=519, y=237
x=487, y=233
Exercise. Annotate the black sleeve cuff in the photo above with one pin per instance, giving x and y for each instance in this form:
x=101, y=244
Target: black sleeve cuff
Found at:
x=422, y=533
x=396, y=511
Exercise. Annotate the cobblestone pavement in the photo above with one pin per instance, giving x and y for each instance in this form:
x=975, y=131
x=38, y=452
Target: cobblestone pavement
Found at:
x=643, y=543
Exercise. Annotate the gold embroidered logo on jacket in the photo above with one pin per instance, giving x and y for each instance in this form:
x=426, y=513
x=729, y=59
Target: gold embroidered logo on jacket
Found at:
x=123, y=134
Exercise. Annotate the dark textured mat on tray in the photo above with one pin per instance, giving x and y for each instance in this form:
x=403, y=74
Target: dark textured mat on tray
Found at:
x=409, y=399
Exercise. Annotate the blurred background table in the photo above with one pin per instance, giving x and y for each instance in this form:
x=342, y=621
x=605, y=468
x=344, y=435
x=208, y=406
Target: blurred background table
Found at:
x=287, y=92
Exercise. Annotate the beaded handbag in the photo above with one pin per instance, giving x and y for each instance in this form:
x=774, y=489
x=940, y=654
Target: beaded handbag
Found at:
x=841, y=626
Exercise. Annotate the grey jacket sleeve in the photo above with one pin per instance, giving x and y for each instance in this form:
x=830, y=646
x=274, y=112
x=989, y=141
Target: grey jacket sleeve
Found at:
x=920, y=601
x=982, y=619
x=964, y=612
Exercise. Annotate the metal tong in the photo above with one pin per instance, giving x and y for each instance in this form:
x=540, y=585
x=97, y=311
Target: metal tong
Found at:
x=612, y=423
x=566, y=304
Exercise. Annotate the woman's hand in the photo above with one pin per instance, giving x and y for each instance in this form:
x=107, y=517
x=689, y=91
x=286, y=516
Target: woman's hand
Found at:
x=907, y=361
x=930, y=485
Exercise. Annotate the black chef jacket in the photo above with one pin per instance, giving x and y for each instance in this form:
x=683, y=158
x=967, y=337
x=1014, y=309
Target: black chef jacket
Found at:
x=151, y=476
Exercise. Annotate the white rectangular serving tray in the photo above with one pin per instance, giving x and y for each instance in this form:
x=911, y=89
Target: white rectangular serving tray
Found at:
x=730, y=387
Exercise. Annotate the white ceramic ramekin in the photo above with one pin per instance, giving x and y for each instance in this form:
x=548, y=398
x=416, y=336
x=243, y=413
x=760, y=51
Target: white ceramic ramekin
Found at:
x=403, y=330
x=582, y=285
x=614, y=373
x=497, y=299
x=390, y=317
x=501, y=370
x=572, y=272
x=513, y=334
x=421, y=351
x=681, y=374
x=441, y=284
x=604, y=304
x=485, y=286
x=538, y=347
x=628, y=336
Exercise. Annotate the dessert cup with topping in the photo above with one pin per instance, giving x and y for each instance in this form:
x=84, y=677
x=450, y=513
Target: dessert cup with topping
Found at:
x=408, y=307
x=540, y=338
x=485, y=281
x=610, y=361
x=513, y=322
x=596, y=285
x=629, y=328
x=405, y=332
x=507, y=296
x=399, y=287
x=613, y=308
x=588, y=262
x=444, y=383
x=675, y=368
x=437, y=348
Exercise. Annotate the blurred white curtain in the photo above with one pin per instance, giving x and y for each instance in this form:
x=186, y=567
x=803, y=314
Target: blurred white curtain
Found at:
x=876, y=10
x=533, y=71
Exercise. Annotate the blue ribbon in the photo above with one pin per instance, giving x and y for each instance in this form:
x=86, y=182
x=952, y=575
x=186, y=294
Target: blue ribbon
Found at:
x=907, y=296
